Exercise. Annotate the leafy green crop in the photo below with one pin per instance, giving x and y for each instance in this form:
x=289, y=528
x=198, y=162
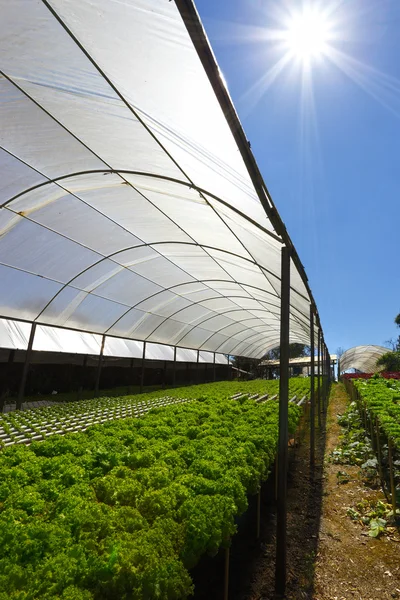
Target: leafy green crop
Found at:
x=381, y=399
x=123, y=510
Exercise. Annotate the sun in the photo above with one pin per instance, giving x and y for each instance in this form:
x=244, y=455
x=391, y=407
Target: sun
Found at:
x=307, y=35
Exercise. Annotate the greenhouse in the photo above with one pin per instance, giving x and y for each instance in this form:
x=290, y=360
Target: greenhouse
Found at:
x=137, y=232
x=361, y=358
x=170, y=232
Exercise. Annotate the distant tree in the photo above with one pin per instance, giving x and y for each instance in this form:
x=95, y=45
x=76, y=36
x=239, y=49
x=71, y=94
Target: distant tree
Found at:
x=391, y=343
x=397, y=321
x=295, y=351
x=340, y=351
x=250, y=365
x=390, y=361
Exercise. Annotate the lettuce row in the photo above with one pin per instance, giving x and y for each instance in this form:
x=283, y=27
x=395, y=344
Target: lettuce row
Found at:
x=124, y=510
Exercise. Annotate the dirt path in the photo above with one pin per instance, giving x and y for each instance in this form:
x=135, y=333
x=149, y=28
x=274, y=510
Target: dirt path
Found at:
x=350, y=564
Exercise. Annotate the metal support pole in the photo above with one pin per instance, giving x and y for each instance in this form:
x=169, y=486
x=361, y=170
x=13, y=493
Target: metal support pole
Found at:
x=4, y=388
x=174, y=369
x=131, y=375
x=214, y=373
x=392, y=482
x=324, y=376
x=281, y=549
x=164, y=383
x=25, y=370
x=197, y=366
x=312, y=390
x=82, y=376
x=99, y=365
x=229, y=369
x=379, y=453
x=319, y=378
x=142, y=372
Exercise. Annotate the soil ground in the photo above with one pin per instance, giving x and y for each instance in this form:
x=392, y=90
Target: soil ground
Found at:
x=329, y=556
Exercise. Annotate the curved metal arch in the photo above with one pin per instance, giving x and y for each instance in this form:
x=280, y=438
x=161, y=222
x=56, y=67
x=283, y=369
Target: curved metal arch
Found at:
x=205, y=321
x=259, y=346
x=300, y=341
x=205, y=282
x=150, y=245
x=247, y=345
x=263, y=270
x=257, y=327
x=218, y=331
x=202, y=194
x=178, y=285
x=241, y=321
x=143, y=174
x=199, y=302
x=198, y=325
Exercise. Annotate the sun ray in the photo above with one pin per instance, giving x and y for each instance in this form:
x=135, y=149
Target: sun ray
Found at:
x=254, y=94
x=383, y=88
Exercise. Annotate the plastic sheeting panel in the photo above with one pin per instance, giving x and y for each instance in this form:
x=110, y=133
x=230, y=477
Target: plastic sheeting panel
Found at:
x=122, y=348
x=186, y=355
x=159, y=352
x=54, y=339
x=14, y=335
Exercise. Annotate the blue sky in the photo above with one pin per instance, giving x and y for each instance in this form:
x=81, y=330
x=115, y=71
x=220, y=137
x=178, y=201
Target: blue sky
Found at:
x=330, y=156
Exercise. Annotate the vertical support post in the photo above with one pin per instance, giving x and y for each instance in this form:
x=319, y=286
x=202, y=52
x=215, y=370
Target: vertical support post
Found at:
x=338, y=368
x=142, y=371
x=281, y=552
x=187, y=381
x=174, y=369
x=323, y=366
x=319, y=377
x=4, y=388
x=82, y=376
x=131, y=375
x=229, y=369
x=25, y=370
x=214, y=374
x=99, y=365
x=312, y=390
x=392, y=482
x=198, y=367
x=164, y=383
x=379, y=453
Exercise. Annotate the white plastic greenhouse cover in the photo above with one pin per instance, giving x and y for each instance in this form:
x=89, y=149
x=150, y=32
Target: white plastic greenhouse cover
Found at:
x=127, y=208
x=362, y=358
